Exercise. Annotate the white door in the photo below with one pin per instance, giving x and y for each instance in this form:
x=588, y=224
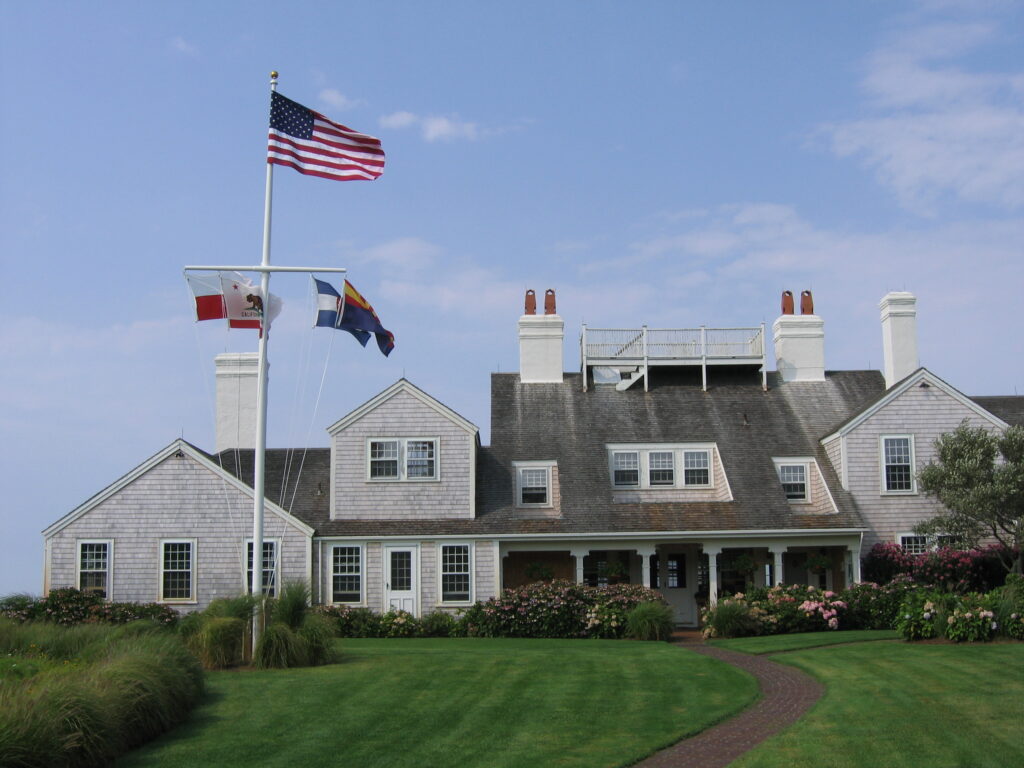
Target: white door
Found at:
x=677, y=572
x=400, y=578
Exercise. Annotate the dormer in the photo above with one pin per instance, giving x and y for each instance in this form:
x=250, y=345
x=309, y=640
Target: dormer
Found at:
x=403, y=455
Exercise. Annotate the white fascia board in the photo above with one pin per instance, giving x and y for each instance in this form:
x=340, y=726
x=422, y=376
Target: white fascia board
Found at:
x=402, y=385
x=915, y=379
x=193, y=453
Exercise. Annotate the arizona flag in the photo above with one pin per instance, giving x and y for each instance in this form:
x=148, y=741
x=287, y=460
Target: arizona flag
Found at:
x=351, y=313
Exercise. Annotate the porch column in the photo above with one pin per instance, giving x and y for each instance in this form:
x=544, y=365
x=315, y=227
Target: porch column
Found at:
x=712, y=553
x=645, y=554
x=579, y=554
x=852, y=557
x=777, y=573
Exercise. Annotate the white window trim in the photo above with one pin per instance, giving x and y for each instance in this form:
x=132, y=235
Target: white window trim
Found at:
x=472, y=570
x=246, y=581
x=361, y=603
x=192, y=600
x=403, y=459
x=519, y=466
x=912, y=491
x=931, y=539
x=679, y=450
x=807, y=464
x=110, y=563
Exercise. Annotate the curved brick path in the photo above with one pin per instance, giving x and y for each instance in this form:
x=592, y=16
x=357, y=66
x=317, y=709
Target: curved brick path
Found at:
x=786, y=693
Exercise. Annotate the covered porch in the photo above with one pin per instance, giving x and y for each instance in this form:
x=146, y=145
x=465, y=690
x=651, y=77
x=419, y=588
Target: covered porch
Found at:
x=690, y=573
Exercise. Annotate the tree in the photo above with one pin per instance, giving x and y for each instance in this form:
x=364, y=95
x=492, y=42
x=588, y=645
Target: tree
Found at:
x=979, y=477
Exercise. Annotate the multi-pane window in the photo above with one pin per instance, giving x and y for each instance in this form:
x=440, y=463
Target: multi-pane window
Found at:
x=346, y=575
x=455, y=573
x=794, y=481
x=898, y=464
x=675, y=571
x=696, y=468
x=94, y=567
x=420, y=458
x=403, y=459
x=533, y=486
x=176, y=562
x=269, y=572
x=383, y=459
x=914, y=545
x=626, y=468
x=661, y=467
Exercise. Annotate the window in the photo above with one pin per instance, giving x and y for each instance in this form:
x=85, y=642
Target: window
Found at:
x=662, y=468
x=626, y=468
x=914, y=545
x=696, y=468
x=794, y=481
x=269, y=574
x=346, y=574
x=675, y=567
x=176, y=571
x=533, y=485
x=455, y=573
x=94, y=567
x=898, y=464
x=655, y=466
x=403, y=458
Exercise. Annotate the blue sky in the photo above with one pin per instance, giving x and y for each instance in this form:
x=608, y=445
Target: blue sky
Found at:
x=667, y=163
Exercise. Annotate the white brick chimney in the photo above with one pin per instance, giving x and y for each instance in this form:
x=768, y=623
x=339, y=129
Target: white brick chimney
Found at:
x=236, y=400
x=799, y=341
x=899, y=336
x=540, y=342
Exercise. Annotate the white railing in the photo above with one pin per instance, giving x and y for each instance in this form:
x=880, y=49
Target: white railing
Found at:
x=666, y=344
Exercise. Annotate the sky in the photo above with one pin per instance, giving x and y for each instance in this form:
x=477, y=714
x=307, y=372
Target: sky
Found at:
x=673, y=164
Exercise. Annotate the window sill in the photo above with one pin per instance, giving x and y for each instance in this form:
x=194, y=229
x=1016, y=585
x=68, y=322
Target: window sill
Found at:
x=898, y=493
x=403, y=479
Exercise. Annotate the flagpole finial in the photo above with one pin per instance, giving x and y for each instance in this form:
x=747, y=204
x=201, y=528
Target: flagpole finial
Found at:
x=273, y=75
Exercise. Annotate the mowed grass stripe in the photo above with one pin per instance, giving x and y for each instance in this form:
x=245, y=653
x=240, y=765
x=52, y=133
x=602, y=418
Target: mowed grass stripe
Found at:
x=467, y=702
x=902, y=705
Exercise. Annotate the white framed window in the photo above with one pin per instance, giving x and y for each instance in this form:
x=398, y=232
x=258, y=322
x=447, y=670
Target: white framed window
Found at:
x=402, y=458
x=533, y=483
x=913, y=543
x=793, y=475
x=177, y=570
x=658, y=466
x=346, y=573
x=270, y=580
x=455, y=570
x=897, y=461
x=94, y=560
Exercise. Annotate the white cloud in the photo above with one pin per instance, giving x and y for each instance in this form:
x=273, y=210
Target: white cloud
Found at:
x=337, y=100
x=940, y=128
x=182, y=46
x=406, y=253
x=434, y=127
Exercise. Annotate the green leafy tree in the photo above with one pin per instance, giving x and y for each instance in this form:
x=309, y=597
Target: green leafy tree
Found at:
x=979, y=477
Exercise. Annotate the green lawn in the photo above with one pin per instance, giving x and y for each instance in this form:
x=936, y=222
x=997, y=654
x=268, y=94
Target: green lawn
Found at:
x=781, y=643
x=897, y=704
x=467, y=702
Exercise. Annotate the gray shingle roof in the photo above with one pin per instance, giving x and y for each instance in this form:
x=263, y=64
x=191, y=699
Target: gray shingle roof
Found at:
x=1009, y=408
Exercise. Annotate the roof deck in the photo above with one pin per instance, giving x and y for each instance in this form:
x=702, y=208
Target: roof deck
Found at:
x=635, y=350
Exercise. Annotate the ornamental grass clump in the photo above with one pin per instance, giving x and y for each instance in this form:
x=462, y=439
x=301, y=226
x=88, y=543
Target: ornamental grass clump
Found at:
x=731, y=617
x=650, y=621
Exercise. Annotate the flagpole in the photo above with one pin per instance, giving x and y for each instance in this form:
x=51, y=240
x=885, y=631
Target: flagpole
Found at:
x=259, y=466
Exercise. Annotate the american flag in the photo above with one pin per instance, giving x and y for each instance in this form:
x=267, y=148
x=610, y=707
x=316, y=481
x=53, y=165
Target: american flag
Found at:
x=310, y=143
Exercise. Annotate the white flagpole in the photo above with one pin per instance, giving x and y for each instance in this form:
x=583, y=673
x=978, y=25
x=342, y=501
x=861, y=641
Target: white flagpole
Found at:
x=259, y=468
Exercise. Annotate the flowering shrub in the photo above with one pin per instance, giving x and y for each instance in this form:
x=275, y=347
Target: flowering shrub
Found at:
x=774, y=611
x=351, y=621
x=971, y=621
x=398, y=623
x=885, y=561
x=953, y=570
x=918, y=619
x=734, y=617
x=557, y=609
x=876, y=606
x=68, y=606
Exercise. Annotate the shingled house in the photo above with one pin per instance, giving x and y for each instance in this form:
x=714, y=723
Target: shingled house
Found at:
x=673, y=458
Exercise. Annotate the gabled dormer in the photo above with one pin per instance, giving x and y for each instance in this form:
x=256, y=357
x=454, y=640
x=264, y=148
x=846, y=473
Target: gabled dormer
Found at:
x=403, y=455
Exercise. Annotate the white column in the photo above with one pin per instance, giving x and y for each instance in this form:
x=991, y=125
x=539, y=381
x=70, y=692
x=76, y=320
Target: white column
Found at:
x=777, y=568
x=712, y=553
x=645, y=563
x=579, y=554
x=853, y=555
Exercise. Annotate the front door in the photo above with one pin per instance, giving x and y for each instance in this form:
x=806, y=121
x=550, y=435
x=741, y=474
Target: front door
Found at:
x=677, y=577
x=400, y=579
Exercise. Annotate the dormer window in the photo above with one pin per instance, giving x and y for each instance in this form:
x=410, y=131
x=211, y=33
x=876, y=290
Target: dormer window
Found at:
x=402, y=458
x=533, y=483
x=793, y=476
x=656, y=466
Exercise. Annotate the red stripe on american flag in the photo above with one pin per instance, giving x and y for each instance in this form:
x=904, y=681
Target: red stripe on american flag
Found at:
x=342, y=130
x=340, y=163
x=286, y=151
x=360, y=176
x=317, y=149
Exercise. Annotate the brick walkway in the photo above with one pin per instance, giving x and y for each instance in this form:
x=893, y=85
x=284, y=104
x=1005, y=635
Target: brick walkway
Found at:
x=786, y=693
